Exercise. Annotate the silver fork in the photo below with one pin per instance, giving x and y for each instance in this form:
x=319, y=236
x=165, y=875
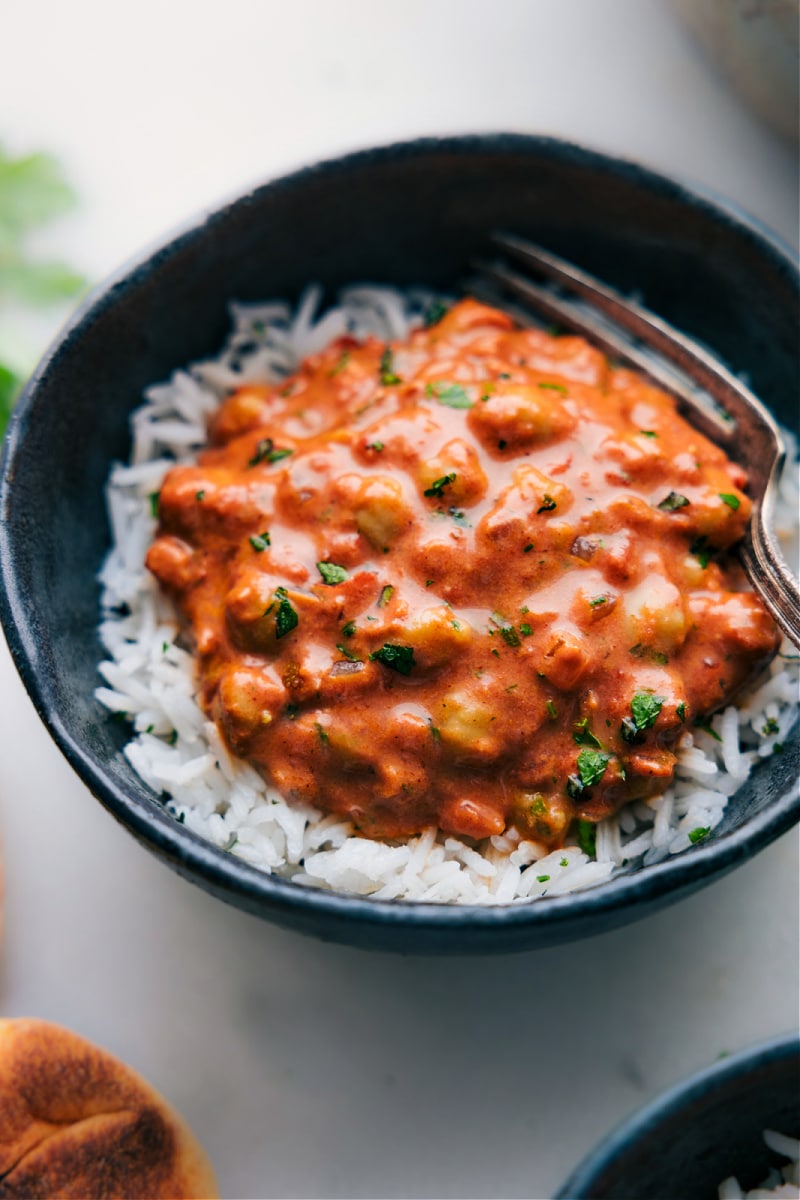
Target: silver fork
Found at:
x=735, y=419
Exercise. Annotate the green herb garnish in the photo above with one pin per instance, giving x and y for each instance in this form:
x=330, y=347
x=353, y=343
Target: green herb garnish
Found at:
x=701, y=550
x=672, y=502
x=645, y=708
x=397, y=658
x=542, y=878
x=552, y=711
x=376, y=446
x=583, y=735
x=349, y=629
x=438, y=485
x=680, y=711
x=260, y=541
x=651, y=433
x=596, y=601
x=153, y=502
x=706, y=727
x=587, y=838
x=547, y=505
x=386, y=594
x=434, y=313
x=452, y=395
x=388, y=377
x=554, y=387
x=286, y=618
x=332, y=573
x=347, y=654
x=698, y=834
x=729, y=499
x=267, y=451
x=344, y=359
x=592, y=765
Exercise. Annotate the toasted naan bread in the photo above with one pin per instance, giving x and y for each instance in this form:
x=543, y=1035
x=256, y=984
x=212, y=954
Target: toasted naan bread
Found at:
x=77, y=1123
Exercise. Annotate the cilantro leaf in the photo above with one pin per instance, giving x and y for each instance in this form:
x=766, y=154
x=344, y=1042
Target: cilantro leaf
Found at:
x=583, y=735
x=434, y=313
x=452, y=395
x=732, y=501
x=592, y=765
x=259, y=541
x=286, y=618
x=587, y=838
x=438, y=485
x=388, y=377
x=397, y=658
x=332, y=573
x=698, y=834
x=672, y=502
x=645, y=708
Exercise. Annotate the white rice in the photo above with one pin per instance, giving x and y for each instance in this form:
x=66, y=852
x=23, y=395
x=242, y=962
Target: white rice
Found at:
x=783, y=1183
x=179, y=753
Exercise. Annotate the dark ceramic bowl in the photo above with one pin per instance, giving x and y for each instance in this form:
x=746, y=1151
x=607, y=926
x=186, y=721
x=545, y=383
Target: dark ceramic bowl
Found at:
x=700, y=1132
x=405, y=214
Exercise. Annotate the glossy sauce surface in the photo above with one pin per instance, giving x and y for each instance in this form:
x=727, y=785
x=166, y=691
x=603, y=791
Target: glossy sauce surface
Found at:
x=475, y=579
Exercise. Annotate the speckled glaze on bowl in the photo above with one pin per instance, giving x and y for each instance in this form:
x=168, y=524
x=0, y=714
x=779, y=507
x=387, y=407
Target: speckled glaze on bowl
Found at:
x=700, y=1132
x=405, y=214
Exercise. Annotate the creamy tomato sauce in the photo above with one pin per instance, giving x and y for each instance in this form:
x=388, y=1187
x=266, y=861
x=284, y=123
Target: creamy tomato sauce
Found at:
x=474, y=579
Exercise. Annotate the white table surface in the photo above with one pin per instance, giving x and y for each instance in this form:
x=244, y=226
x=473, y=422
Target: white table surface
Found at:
x=310, y=1069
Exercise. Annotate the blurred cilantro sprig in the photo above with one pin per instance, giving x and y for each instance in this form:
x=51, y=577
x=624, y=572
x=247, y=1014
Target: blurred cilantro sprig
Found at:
x=33, y=192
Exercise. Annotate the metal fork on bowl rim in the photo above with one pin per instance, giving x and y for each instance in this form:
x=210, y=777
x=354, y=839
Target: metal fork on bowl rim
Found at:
x=735, y=418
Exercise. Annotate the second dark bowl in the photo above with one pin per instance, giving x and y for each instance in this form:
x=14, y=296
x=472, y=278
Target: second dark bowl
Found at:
x=406, y=214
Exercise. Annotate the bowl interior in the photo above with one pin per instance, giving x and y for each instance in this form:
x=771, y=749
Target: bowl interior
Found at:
x=403, y=215
x=701, y=1132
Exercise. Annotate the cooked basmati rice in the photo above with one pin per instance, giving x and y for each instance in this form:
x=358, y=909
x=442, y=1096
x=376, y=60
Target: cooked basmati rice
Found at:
x=783, y=1184
x=178, y=751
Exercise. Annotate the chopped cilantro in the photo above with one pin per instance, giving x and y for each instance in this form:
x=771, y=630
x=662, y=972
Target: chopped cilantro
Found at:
x=696, y=835
x=388, y=377
x=376, y=446
x=645, y=708
x=527, y=549
x=438, y=485
x=429, y=582
x=397, y=658
x=525, y=629
x=507, y=630
x=386, y=595
x=596, y=601
x=651, y=433
x=587, y=838
x=199, y=495
x=701, y=550
x=452, y=395
x=547, y=505
x=173, y=737
x=583, y=735
x=153, y=501
x=563, y=862
x=332, y=573
x=349, y=629
x=434, y=732
x=770, y=726
x=542, y=878
x=286, y=618
x=554, y=387
x=347, y=653
x=267, y=451
x=729, y=499
x=680, y=711
x=706, y=727
x=435, y=311
x=552, y=711
x=321, y=734
x=344, y=359
x=592, y=765
x=672, y=502
x=260, y=541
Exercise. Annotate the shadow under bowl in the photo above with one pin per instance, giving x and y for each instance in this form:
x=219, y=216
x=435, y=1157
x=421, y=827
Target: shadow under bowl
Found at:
x=413, y=213
x=700, y=1132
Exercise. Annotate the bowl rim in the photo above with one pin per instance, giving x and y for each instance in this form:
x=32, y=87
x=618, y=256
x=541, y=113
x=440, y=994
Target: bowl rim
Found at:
x=698, y=1086
x=230, y=877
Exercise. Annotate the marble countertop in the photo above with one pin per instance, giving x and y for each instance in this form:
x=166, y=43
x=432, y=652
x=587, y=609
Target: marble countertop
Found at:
x=310, y=1069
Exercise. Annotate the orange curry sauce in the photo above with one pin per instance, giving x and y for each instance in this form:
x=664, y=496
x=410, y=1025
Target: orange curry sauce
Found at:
x=475, y=579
